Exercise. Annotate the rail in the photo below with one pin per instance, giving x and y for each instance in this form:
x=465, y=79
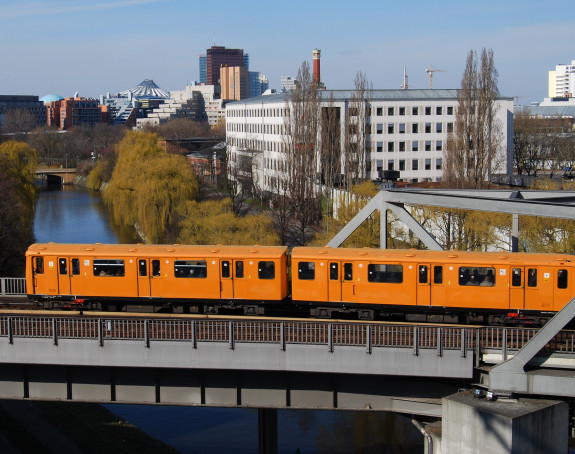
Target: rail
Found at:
x=467, y=340
x=12, y=286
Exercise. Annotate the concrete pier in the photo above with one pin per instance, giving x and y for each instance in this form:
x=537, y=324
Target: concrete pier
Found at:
x=472, y=425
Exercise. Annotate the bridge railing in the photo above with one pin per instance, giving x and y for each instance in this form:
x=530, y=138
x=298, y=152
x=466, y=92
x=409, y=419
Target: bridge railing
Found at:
x=12, y=286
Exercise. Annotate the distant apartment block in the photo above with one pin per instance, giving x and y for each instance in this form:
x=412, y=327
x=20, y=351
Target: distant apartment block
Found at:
x=30, y=104
x=68, y=113
x=287, y=83
x=407, y=131
x=234, y=82
x=562, y=81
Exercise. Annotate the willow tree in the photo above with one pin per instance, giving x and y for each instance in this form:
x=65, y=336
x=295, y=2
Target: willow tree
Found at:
x=148, y=185
x=17, y=167
x=472, y=150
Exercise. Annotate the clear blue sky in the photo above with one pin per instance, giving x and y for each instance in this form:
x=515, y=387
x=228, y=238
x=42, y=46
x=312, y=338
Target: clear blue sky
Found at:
x=98, y=46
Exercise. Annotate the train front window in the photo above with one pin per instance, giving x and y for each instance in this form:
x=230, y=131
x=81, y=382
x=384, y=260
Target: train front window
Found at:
x=190, y=268
x=75, y=266
x=306, y=271
x=385, y=272
x=562, y=279
x=39, y=265
x=63, y=266
x=266, y=270
x=109, y=267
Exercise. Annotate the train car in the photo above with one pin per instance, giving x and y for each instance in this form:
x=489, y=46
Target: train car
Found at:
x=104, y=276
x=424, y=285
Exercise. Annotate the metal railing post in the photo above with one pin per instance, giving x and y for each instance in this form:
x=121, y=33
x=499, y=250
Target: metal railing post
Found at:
x=330, y=337
x=416, y=340
x=147, y=332
x=10, y=331
x=368, y=340
x=504, y=346
x=283, y=336
x=101, y=332
x=464, y=342
x=54, y=332
x=231, y=334
x=194, y=334
x=440, y=342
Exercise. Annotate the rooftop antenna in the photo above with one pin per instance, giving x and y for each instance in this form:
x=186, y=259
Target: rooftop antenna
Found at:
x=404, y=85
x=214, y=38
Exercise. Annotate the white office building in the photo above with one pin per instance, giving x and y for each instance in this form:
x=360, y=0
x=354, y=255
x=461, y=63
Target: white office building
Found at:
x=407, y=131
x=562, y=81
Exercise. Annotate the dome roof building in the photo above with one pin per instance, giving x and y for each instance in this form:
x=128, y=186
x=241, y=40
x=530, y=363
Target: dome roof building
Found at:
x=146, y=89
x=51, y=98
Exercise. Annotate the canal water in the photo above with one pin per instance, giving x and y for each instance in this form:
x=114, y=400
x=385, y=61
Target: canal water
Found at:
x=75, y=215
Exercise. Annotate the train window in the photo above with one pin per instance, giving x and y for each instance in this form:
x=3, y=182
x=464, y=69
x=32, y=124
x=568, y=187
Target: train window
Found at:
x=63, y=266
x=483, y=276
x=532, y=277
x=333, y=271
x=383, y=272
x=108, y=267
x=225, y=269
x=348, y=271
x=240, y=268
x=438, y=275
x=266, y=270
x=156, y=268
x=39, y=268
x=306, y=271
x=143, y=268
x=190, y=268
x=423, y=274
x=562, y=279
x=75, y=266
x=516, y=280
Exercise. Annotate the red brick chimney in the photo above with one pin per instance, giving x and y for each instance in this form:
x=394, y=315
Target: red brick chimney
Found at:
x=316, y=70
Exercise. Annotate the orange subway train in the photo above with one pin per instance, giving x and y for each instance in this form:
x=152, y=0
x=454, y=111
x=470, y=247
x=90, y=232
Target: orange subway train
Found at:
x=417, y=285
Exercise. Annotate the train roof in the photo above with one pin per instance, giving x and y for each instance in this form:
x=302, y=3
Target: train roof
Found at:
x=416, y=255
x=159, y=250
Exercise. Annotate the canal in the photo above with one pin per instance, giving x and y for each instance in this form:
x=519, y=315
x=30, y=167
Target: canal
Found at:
x=74, y=215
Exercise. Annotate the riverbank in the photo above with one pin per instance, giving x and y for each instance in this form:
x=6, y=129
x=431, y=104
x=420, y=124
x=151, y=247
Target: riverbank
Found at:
x=57, y=427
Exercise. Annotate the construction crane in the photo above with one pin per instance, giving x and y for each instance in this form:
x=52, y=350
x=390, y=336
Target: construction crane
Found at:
x=430, y=71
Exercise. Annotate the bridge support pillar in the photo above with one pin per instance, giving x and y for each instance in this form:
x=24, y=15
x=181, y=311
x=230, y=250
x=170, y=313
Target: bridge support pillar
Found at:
x=474, y=426
x=268, y=430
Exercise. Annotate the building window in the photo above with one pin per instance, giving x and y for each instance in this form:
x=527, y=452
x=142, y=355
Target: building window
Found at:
x=390, y=111
x=415, y=145
x=428, y=145
x=415, y=128
x=402, y=128
x=428, y=110
x=415, y=164
x=402, y=111
x=439, y=110
x=390, y=146
x=449, y=110
x=439, y=127
x=379, y=128
x=401, y=146
x=402, y=164
x=439, y=145
x=438, y=164
x=390, y=164
x=415, y=111
x=427, y=128
x=379, y=147
x=379, y=111
x=449, y=127
x=390, y=128
x=428, y=164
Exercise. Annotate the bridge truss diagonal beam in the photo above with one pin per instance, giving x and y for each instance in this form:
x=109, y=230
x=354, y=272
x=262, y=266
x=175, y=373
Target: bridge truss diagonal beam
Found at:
x=510, y=376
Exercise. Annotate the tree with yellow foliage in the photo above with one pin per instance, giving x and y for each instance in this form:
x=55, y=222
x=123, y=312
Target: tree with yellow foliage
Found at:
x=147, y=187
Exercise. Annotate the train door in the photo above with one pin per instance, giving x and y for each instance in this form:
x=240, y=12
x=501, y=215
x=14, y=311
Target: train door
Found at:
x=144, y=272
x=517, y=288
x=64, y=287
x=563, y=286
x=40, y=277
x=334, y=282
x=226, y=280
x=348, y=283
x=437, y=286
x=157, y=277
x=423, y=285
x=76, y=281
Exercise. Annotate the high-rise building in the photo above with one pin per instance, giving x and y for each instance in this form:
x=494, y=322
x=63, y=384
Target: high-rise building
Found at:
x=562, y=81
x=73, y=112
x=30, y=104
x=234, y=82
x=203, y=69
x=217, y=57
x=258, y=83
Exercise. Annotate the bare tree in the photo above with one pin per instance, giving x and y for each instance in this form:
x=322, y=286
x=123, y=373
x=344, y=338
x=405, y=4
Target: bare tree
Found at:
x=18, y=121
x=356, y=131
x=236, y=180
x=472, y=149
x=528, y=149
